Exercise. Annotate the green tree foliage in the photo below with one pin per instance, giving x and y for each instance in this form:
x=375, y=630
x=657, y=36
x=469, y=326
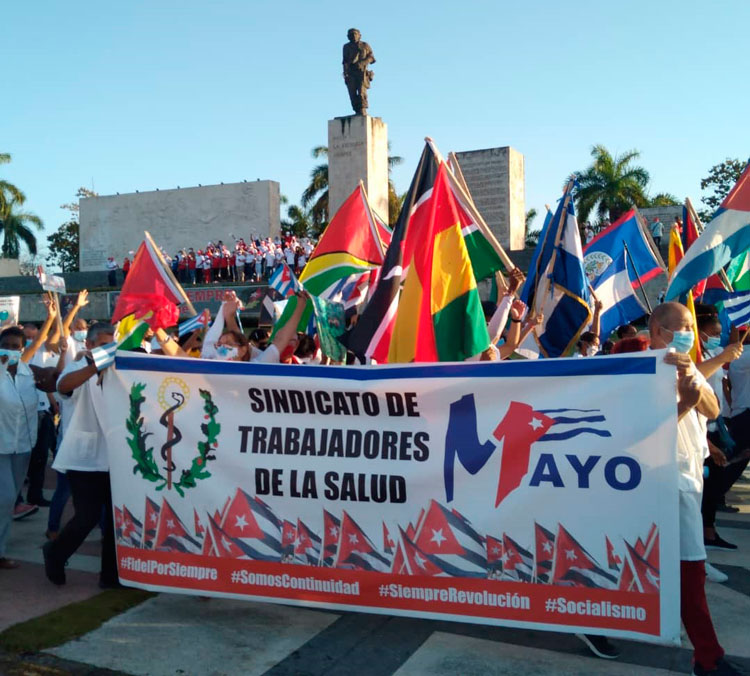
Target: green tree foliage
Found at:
x=8, y=191
x=299, y=222
x=663, y=199
x=63, y=247
x=532, y=236
x=17, y=227
x=720, y=180
x=64, y=243
x=611, y=185
x=314, y=199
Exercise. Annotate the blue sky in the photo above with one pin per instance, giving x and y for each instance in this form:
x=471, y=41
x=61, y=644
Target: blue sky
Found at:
x=144, y=95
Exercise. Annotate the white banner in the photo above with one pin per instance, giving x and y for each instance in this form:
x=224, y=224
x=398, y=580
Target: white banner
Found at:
x=534, y=494
x=9, y=306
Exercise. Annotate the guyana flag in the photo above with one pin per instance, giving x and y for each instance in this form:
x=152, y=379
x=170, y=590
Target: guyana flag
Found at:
x=352, y=245
x=439, y=315
x=130, y=331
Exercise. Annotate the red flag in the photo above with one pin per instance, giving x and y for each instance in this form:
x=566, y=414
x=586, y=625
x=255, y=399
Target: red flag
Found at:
x=398, y=567
x=208, y=548
x=517, y=561
x=224, y=545
x=520, y=428
x=645, y=577
x=356, y=550
x=200, y=529
x=171, y=534
x=288, y=537
x=388, y=543
x=238, y=520
x=575, y=567
x=494, y=552
x=417, y=560
x=332, y=529
x=613, y=561
x=150, y=286
x=544, y=542
x=689, y=235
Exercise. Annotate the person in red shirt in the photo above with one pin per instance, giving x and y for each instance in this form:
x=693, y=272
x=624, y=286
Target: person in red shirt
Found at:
x=233, y=266
x=182, y=268
x=215, y=266
x=125, y=268
x=191, y=265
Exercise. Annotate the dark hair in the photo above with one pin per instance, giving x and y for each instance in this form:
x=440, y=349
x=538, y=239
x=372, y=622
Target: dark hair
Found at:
x=258, y=335
x=12, y=331
x=706, y=315
x=586, y=337
x=36, y=325
x=488, y=307
x=98, y=328
x=622, y=329
x=305, y=346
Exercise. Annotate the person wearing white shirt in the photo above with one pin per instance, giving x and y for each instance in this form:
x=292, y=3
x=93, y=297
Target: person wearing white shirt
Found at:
x=83, y=457
x=671, y=326
x=18, y=426
x=289, y=253
x=240, y=265
x=270, y=262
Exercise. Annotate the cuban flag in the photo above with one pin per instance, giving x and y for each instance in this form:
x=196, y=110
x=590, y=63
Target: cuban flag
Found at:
x=284, y=281
x=556, y=283
x=737, y=307
x=194, y=323
x=615, y=290
x=724, y=238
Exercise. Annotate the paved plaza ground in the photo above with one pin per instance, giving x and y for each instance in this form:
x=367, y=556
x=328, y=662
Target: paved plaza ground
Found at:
x=170, y=634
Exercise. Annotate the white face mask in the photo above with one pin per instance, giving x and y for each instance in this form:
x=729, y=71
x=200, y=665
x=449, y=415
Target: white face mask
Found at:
x=11, y=357
x=80, y=336
x=591, y=351
x=227, y=353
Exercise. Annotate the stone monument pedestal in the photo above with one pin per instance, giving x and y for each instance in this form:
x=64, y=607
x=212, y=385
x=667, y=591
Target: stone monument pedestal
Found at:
x=358, y=150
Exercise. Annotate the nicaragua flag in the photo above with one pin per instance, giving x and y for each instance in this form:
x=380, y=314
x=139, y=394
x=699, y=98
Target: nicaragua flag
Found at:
x=556, y=283
x=724, y=238
x=615, y=290
x=609, y=243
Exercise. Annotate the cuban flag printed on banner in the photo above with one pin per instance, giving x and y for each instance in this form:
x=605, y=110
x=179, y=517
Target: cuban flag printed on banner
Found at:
x=254, y=527
x=556, y=284
x=609, y=245
x=615, y=290
x=284, y=281
x=724, y=238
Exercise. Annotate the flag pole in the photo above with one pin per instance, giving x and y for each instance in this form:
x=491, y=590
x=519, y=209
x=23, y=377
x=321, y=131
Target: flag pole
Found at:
x=699, y=227
x=371, y=214
x=629, y=258
x=171, y=276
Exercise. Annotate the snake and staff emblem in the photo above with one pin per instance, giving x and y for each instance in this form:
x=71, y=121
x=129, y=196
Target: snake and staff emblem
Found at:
x=173, y=396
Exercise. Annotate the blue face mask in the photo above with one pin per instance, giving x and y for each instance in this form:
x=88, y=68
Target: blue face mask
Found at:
x=28, y=342
x=712, y=342
x=13, y=357
x=682, y=341
x=80, y=336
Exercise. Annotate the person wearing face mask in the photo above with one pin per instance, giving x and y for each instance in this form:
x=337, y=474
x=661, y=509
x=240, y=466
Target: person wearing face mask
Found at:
x=588, y=343
x=74, y=327
x=18, y=425
x=216, y=346
x=83, y=457
x=671, y=326
x=721, y=475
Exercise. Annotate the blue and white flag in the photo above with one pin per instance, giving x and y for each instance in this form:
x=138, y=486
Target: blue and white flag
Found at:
x=193, y=324
x=724, y=238
x=284, y=281
x=556, y=283
x=104, y=356
x=615, y=290
x=737, y=307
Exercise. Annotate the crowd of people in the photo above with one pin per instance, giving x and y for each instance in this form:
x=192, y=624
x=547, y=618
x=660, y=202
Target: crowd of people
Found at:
x=252, y=262
x=48, y=378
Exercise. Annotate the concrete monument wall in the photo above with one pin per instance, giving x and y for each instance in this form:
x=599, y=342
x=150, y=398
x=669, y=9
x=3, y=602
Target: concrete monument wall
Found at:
x=113, y=225
x=495, y=177
x=358, y=149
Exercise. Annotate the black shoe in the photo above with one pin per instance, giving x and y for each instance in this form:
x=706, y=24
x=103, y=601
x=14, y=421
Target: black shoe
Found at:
x=728, y=509
x=39, y=502
x=55, y=571
x=719, y=543
x=722, y=668
x=600, y=646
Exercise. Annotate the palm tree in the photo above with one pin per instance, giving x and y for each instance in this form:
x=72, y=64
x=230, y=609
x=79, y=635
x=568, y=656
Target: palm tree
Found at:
x=8, y=191
x=15, y=228
x=315, y=196
x=663, y=199
x=611, y=185
x=300, y=222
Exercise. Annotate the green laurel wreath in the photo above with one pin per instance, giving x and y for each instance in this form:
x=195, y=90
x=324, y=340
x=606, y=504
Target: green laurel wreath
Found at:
x=144, y=455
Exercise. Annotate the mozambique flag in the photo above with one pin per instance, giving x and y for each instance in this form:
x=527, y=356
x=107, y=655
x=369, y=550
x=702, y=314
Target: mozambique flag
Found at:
x=439, y=315
x=352, y=245
x=675, y=256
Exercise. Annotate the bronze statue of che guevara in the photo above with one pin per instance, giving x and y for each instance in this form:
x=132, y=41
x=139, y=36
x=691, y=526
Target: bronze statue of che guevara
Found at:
x=357, y=56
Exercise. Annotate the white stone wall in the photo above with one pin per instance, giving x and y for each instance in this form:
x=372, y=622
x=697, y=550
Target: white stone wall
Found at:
x=113, y=225
x=358, y=150
x=495, y=177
